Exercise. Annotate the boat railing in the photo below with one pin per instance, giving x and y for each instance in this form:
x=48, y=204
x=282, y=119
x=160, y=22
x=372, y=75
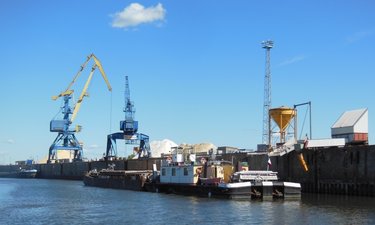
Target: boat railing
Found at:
x=255, y=175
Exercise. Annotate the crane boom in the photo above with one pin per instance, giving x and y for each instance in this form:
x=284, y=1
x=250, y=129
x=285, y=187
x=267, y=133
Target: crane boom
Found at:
x=83, y=94
x=129, y=125
x=84, y=91
x=67, y=90
x=97, y=63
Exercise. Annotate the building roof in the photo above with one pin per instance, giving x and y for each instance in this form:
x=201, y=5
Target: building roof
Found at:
x=349, y=118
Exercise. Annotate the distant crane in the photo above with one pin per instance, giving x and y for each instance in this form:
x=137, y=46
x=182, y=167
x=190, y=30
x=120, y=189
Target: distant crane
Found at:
x=266, y=138
x=66, y=139
x=129, y=125
x=130, y=134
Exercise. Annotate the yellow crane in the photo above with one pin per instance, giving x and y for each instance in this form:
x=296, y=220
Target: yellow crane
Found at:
x=66, y=139
x=83, y=94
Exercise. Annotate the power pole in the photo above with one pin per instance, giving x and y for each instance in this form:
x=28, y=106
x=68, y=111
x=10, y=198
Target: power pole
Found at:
x=267, y=94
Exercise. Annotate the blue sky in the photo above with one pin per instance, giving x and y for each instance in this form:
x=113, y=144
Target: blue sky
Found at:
x=196, y=68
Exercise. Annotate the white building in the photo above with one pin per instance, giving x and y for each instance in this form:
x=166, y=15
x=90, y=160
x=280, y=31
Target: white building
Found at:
x=353, y=126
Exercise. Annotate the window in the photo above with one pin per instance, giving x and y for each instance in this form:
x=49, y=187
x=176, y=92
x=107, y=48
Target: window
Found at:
x=186, y=172
x=173, y=171
x=163, y=172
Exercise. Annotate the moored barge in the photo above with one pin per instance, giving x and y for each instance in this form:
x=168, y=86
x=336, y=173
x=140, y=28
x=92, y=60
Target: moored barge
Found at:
x=218, y=179
x=119, y=179
x=203, y=177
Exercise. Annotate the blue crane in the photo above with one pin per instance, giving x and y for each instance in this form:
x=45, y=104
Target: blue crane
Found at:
x=129, y=126
x=66, y=139
x=129, y=133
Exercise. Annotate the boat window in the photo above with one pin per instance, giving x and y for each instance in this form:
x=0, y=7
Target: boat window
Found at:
x=186, y=172
x=173, y=171
x=163, y=172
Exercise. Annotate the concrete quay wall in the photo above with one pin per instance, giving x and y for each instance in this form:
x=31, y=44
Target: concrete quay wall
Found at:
x=347, y=171
x=76, y=170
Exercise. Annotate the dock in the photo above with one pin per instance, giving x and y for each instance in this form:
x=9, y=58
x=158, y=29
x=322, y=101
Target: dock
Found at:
x=348, y=170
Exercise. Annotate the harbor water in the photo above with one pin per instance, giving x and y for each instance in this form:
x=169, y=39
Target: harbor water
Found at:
x=42, y=201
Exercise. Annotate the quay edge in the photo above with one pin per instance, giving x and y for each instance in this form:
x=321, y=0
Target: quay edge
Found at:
x=347, y=170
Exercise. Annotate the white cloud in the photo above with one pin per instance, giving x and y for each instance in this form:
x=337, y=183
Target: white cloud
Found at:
x=292, y=60
x=136, y=14
x=358, y=36
x=10, y=141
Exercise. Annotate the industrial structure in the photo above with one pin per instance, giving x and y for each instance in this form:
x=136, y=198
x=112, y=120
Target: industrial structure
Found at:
x=283, y=117
x=308, y=104
x=66, y=139
x=286, y=122
x=267, y=95
x=353, y=126
x=130, y=131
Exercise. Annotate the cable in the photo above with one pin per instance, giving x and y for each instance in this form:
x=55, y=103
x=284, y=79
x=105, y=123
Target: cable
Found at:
x=303, y=124
x=110, y=115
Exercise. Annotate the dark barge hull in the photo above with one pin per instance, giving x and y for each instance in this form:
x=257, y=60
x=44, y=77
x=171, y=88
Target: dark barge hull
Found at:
x=20, y=174
x=127, y=184
x=134, y=181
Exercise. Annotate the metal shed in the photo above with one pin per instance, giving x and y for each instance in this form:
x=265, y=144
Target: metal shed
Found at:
x=353, y=126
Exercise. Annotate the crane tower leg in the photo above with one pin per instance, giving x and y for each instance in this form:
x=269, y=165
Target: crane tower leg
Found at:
x=67, y=142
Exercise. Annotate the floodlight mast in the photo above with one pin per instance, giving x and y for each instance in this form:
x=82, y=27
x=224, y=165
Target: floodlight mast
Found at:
x=266, y=138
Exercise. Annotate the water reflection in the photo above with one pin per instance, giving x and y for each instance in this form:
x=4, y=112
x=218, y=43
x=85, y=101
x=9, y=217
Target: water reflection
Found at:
x=64, y=202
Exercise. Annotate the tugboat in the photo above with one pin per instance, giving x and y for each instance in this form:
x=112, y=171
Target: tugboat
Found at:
x=119, y=179
x=210, y=178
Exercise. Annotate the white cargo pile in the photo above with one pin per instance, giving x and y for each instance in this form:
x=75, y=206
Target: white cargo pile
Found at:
x=202, y=147
x=165, y=146
x=62, y=155
x=161, y=147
